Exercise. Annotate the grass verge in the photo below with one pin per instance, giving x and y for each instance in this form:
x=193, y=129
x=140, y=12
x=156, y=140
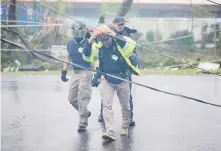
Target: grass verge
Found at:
x=143, y=71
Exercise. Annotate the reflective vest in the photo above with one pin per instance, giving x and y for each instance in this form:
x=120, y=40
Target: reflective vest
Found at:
x=124, y=53
x=127, y=32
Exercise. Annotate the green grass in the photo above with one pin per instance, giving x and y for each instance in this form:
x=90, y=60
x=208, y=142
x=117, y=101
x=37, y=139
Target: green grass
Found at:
x=175, y=72
x=143, y=72
x=31, y=73
x=186, y=71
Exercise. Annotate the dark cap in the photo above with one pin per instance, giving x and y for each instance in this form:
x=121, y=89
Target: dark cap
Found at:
x=119, y=20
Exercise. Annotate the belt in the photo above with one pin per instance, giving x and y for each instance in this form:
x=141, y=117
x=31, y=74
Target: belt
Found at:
x=114, y=80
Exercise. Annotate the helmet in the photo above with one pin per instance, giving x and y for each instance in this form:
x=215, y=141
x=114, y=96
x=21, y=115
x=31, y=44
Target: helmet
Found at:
x=102, y=35
x=103, y=29
x=79, y=30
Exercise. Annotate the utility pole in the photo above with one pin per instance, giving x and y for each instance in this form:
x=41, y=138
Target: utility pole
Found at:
x=191, y=16
x=11, y=18
x=215, y=44
x=12, y=12
x=125, y=7
x=192, y=24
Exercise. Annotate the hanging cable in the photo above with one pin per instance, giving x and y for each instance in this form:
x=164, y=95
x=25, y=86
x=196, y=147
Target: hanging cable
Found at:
x=106, y=74
x=154, y=42
x=20, y=21
x=174, y=94
x=35, y=25
x=213, y=2
x=130, y=42
x=182, y=37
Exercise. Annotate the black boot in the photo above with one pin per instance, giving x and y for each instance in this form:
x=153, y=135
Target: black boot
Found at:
x=132, y=123
x=81, y=128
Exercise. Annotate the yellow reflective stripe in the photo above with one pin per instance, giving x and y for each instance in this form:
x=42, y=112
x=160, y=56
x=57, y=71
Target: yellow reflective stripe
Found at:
x=129, y=46
x=88, y=59
x=98, y=45
x=95, y=51
x=136, y=70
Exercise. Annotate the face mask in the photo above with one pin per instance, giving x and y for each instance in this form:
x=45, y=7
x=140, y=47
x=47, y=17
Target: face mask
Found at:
x=79, y=33
x=78, y=39
x=105, y=40
x=107, y=43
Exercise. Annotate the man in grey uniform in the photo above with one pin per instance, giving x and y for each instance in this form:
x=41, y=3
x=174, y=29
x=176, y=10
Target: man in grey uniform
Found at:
x=80, y=84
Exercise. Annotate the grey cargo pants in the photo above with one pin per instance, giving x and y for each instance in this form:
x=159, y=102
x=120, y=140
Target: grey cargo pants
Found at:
x=80, y=94
x=107, y=94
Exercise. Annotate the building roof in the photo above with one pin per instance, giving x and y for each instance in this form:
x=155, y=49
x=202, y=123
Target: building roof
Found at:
x=157, y=2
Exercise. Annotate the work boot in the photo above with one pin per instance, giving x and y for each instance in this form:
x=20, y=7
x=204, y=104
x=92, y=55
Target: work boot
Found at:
x=100, y=118
x=81, y=128
x=132, y=123
x=108, y=137
x=89, y=114
x=124, y=131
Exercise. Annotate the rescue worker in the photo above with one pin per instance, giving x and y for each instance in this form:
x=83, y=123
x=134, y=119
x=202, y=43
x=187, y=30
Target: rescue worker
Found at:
x=120, y=29
x=113, y=55
x=80, y=89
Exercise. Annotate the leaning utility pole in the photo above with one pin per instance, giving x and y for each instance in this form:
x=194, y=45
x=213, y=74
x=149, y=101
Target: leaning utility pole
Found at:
x=125, y=7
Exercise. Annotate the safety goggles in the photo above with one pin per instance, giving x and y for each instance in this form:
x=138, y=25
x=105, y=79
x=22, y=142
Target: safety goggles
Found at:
x=79, y=33
x=102, y=37
x=121, y=24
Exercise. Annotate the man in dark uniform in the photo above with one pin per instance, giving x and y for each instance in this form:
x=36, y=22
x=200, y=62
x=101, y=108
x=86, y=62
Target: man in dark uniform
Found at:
x=113, y=55
x=80, y=84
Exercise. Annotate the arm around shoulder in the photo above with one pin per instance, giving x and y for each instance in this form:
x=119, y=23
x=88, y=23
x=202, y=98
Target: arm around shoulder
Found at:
x=128, y=47
x=90, y=52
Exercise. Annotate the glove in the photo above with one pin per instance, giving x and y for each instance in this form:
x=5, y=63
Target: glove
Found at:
x=96, y=81
x=133, y=59
x=129, y=30
x=63, y=76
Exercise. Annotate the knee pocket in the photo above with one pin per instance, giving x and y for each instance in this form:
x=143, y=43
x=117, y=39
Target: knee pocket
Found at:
x=85, y=93
x=72, y=100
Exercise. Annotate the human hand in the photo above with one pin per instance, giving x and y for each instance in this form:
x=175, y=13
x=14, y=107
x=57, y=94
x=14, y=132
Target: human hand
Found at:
x=63, y=76
x=90, y=40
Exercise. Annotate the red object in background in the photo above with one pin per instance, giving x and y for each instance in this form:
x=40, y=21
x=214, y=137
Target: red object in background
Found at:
x=90, y=30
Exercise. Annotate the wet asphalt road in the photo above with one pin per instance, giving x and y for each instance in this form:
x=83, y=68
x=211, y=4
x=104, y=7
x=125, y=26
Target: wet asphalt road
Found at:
x=36, y=116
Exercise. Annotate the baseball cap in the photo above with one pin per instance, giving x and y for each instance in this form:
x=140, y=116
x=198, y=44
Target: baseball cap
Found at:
x=119, y=20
